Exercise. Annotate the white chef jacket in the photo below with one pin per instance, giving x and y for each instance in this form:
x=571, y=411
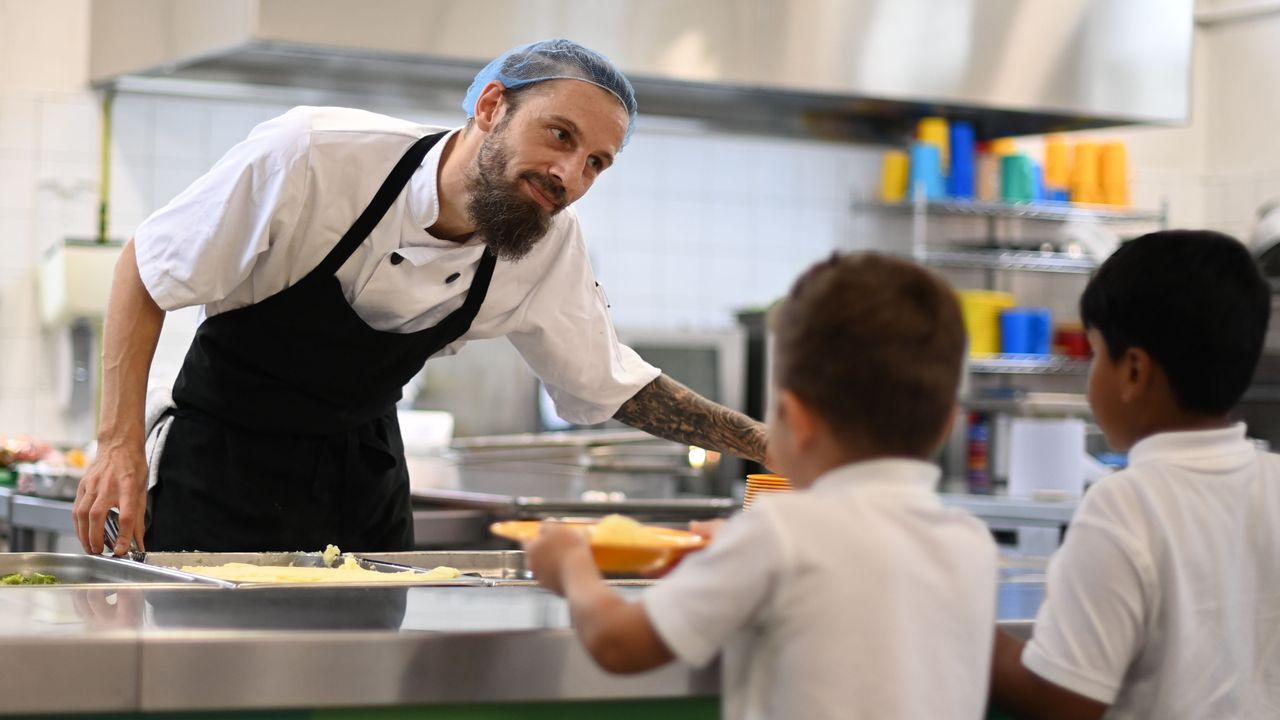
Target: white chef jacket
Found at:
x=267, y=213
x=862, y=597
x=1164, y=599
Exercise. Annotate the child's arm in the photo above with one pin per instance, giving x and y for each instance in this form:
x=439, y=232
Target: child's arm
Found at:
x=1027, y=696
x=616, y=633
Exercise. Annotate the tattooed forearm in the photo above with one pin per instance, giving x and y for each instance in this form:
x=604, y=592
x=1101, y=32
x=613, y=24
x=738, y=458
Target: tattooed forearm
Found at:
x=672, y=411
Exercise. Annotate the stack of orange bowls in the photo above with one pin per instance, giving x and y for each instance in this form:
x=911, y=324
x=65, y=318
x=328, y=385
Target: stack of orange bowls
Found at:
x=758, y=485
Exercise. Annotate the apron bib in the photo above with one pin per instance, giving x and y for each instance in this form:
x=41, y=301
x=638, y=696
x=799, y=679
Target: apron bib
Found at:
x=284, y=434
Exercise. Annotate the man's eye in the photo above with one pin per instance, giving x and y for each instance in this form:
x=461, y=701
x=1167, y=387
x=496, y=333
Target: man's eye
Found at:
x=559, y=134
x=596, y=163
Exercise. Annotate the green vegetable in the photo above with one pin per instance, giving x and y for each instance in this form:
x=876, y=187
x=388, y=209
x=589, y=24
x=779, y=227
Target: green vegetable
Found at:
x=35, y=578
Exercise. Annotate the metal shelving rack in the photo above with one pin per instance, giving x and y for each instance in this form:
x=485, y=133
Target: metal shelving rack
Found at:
x=1028, y=365
x=995, y=259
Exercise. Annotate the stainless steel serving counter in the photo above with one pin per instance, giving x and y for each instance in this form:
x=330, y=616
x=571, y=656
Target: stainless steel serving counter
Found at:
x=133, y=648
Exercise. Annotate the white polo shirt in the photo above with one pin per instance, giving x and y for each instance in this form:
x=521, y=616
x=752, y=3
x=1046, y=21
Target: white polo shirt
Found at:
x=862, y=597
x=277, y=203
x=1164, y=599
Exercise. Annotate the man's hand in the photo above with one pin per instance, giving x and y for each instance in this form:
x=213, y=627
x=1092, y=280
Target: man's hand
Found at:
x=116, y=478
x=549, y=553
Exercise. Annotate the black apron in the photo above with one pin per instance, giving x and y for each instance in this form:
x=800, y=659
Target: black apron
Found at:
x=284, y=434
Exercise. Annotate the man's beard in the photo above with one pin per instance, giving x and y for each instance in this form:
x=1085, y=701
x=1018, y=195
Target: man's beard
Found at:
x=510, y=222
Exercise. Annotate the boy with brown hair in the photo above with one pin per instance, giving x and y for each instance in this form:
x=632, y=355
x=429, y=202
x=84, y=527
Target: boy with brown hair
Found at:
x=1164, y=599
x=860, y=595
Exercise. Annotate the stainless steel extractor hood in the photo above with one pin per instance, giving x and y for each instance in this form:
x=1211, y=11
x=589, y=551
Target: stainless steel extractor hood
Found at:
x=844, y=68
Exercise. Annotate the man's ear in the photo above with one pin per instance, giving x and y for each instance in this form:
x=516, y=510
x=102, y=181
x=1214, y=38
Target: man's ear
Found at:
x=490, y=106
x=1137, y=371
x=799, y=418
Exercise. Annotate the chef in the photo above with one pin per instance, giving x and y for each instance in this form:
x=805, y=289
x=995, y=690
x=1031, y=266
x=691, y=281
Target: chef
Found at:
x=333, y=252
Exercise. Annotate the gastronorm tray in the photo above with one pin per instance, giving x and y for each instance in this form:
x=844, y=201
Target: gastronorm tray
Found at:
x=77, y=569
x=175, y=560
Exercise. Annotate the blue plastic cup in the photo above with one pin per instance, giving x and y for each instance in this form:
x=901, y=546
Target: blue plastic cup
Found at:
x=962, y=180
x=926, y=172
x=1026, y=331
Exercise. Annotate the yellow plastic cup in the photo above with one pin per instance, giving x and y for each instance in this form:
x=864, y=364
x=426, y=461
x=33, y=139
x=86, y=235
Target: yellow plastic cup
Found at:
x=981, y=310
x=1113, y=167
x=1085, y=185
x=894, y=176
x=1057, y=163
x=936, y=131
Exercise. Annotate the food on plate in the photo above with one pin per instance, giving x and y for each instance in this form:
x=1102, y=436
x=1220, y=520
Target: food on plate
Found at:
x=32, y=578
x=622, y=530
x=348, y=572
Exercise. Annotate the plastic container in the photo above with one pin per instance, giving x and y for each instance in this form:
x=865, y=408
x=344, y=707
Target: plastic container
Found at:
x=934, y=131
x=981, y=310
x=893, y=176
x=962, y=179
x=926, y=172
x=1026, y=331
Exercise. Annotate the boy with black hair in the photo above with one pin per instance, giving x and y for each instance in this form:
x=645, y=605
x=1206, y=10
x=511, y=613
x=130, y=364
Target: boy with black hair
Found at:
x=860, y=596
x=1164, y=600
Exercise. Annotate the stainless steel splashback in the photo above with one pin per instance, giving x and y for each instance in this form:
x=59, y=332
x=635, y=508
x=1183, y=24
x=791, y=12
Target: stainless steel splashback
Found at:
x=849, y=68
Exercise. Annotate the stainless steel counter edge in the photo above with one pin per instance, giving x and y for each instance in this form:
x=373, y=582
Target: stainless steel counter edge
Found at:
x=217, y=670
x=203, y=671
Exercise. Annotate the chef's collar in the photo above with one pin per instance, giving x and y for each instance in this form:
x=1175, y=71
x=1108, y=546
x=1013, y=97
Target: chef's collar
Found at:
x=424, y=192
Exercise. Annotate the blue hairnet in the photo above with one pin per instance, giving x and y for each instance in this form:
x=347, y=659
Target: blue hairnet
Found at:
x=557, y=59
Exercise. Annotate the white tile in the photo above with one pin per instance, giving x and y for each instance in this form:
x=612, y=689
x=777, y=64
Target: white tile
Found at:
x=132, y=194
x=1241, y=204
x=230, y=122
x=18, y=122
x=17, y=239
x=17, y=180
x=21, y=372
x=728, y=175
x=69, y=126
x=685, y=167
x=133, y=126
x=15, y=412
x=182, y=129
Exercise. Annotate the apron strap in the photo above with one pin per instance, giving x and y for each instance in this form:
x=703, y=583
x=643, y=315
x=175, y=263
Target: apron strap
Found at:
x=382, y=201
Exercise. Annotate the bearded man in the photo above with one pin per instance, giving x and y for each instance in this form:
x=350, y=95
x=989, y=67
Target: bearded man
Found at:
x=333, y=252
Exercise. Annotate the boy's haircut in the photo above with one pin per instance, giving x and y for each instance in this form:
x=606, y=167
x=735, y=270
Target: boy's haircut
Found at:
x=875, y=346
x=1196, y=301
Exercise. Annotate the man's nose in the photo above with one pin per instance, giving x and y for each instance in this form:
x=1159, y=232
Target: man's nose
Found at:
x=571, y=173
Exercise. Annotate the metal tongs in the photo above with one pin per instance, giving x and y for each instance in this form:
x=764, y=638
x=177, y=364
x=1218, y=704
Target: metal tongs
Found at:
x=113, y=535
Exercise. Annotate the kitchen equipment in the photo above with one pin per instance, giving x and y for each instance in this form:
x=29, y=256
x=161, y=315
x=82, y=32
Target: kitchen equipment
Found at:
x=652, y=554
x=1046, y=454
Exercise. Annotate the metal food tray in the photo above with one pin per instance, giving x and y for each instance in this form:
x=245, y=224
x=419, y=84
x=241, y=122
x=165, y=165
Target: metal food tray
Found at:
x=175, y=560
x=73, y=569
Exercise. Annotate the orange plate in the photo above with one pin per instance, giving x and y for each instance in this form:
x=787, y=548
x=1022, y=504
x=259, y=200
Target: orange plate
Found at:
x=650, y=559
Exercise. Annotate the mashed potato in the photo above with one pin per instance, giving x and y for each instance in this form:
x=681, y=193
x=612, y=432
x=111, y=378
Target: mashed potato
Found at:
x=348, y=572
x=621, y=530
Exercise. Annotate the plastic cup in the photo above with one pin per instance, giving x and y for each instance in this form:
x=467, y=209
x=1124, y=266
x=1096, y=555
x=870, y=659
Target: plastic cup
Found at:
x=894, y=176
x=1026, y=331
x=926, y=171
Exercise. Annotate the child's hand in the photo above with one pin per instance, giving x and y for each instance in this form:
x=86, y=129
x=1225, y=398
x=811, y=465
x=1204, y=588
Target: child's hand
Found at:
x=706, y=528
x=547, y=555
